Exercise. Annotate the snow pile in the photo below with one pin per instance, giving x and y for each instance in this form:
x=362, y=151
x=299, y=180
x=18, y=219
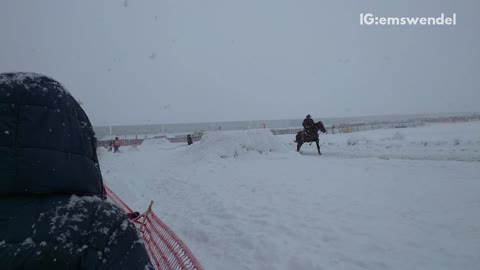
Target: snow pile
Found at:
x=131, y=148
x=366, y=138
x=233, y=144
x=357, y=139
x=398, y=136
x=155, y=144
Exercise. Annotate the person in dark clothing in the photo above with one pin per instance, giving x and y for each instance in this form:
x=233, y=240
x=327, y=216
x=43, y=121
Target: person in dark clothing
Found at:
x=116, y=145
x=53, y=209
x=308, y=124
x=189, y=139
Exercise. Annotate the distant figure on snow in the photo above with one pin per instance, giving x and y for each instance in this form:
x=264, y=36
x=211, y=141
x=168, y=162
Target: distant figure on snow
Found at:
x=189, y=139
x=53, y=209
x=116, y=145
x=308, y=124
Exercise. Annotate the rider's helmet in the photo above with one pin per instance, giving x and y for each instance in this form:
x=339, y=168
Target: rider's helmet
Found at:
x=308, y=116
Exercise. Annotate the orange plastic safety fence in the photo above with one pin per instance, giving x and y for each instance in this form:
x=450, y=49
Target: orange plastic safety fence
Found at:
x=166, y=250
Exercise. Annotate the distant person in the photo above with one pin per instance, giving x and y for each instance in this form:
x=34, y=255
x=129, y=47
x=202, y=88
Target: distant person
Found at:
x=116, y=145
x=308, y=124
x=53, y=210
x=189, y=139
x=110, y=145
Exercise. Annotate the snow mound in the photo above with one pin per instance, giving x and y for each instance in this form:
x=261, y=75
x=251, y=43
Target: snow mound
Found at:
x=233, y=144
x=132, y=148
x=398, y=136
x=153, y=142
x=358, y=139
x=353, y=141
x=366, y=138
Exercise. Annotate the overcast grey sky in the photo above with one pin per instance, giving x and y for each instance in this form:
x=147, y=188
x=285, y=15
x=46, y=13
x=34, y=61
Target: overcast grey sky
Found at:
x=157, y=61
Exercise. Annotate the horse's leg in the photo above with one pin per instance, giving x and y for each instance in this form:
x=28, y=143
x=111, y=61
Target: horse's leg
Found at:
x=318, y=146
x=299, y=144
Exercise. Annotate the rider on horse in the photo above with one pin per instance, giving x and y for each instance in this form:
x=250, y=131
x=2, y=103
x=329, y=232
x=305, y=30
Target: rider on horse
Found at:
x=308, y=124
x=310, y=134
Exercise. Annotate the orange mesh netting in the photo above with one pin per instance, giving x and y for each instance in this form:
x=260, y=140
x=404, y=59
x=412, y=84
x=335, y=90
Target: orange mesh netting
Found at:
x=166, y=250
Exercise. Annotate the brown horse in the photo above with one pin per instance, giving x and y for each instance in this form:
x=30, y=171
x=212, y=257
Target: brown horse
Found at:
x=303, y=137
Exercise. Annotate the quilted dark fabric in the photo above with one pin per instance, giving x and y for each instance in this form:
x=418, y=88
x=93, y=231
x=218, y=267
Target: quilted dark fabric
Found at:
x=53, y=213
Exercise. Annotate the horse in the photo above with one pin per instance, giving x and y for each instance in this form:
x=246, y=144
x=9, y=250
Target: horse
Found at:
x=303, y=137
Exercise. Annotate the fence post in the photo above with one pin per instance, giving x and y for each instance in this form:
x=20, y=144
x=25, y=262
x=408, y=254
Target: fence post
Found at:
x=145, y=216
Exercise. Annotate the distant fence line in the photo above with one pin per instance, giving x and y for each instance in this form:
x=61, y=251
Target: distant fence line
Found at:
x=354, y=127
x=453, y=119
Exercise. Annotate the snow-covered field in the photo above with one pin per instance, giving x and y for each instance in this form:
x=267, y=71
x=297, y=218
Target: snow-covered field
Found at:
x=383, y=199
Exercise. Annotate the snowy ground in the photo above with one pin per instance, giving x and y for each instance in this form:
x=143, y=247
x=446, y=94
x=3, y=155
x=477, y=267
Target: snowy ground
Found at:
x=383, y=199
